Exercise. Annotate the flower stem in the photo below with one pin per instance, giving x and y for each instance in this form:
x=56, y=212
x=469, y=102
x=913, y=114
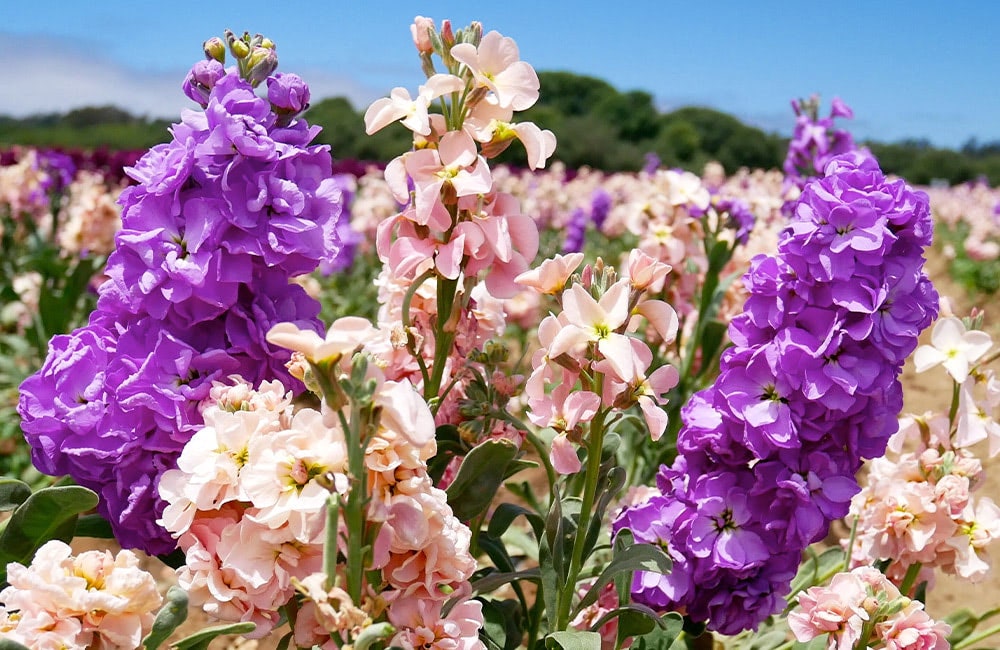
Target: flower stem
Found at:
x=444, y=335
x=354, y=511
x=911, y=576
x=976, y=638
x=595, y=444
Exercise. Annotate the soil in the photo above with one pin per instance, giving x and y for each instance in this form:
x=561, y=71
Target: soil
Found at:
x=927, y=391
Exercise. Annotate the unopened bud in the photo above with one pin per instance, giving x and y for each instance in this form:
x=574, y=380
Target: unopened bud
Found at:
x=239, y=49
x=474, y=33
x=421, y=30
x=268, y=43
x=215, y=49
x=447, y=35
x=261, y=63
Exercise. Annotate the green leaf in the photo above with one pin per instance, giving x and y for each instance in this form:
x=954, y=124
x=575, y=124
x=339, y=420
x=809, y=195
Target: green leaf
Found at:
x=814, y=569
x=7, y=644
x=819, y=643
x=664, y=636
x=613, y=482
x=48, y=514
x=505, y=514
x=479, y=477
x=550, y=558
x=633, y=620
x=491, y=581
x=93, y=526
x=573, y=640
x=200, y=640
x=502, y=624
x=767, y=641
x=284, y=642
x=173, y=612
x=638, y=557
x=963, y=622
x=13, y=493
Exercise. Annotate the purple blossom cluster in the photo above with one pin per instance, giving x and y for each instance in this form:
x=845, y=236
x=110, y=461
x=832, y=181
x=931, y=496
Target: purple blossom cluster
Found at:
x=767, y=455
x=576, y=226
x=815, y=140
x=220, y=220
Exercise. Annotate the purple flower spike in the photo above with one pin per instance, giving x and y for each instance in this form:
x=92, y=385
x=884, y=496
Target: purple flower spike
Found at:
x=223, y=216
x=767, y=455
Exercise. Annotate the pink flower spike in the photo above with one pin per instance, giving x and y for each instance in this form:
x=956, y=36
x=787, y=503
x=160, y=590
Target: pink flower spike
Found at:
x=551, y=275
x=496, y=65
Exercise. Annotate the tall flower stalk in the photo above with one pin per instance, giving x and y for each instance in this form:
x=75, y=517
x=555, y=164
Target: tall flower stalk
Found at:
x=768, y=453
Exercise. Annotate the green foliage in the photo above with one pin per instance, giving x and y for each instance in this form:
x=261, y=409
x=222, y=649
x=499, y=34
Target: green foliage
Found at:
x=49, y=513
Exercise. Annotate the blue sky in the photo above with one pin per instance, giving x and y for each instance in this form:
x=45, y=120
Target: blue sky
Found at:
x=908, y=69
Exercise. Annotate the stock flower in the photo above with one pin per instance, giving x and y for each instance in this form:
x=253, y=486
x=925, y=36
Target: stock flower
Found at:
x=92, y=599
x=552, y=274
x=456, y=162
x=952, y=347
x=496, y=65
x=411, y=112
x=590, y=320
x=222, y=218
x=421, y=625
x=809, y=388
x=344, y=335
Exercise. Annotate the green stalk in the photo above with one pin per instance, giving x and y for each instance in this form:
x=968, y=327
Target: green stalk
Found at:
x=354, y=511
x=971, y=640
x=595, y=444
x=444, y=336
x=330, y=546
x=953, y=411
x=911, y=576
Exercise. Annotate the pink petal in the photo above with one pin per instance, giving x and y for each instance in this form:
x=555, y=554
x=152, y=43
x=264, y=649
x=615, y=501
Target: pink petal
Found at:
x=662, y=317
x=656, y=417
x=563, y=456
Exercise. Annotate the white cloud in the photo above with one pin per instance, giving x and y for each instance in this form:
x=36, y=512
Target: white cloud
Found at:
x=49, y=77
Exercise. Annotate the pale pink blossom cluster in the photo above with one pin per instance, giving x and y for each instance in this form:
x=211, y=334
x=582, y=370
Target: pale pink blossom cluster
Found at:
x=587, y=362
x=89, y=216
x=919, y=508
x=421, y=548
x=66, y=602
x=22, y=190
x=974, y=205
x=18, y=315
x=455, y=225
x=863, y=609
x=246, y=501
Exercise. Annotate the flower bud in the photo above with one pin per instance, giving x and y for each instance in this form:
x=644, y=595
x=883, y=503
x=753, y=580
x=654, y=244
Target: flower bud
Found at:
x=239, y=49
x=215, y=49
x=201, y=79
x=421, y=31
x=288, y=94
x=260, y=64
x=474, y=33
x=447, y=35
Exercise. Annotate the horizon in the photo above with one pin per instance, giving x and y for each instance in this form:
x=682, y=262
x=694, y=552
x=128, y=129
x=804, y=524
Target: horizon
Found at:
x=908, y=73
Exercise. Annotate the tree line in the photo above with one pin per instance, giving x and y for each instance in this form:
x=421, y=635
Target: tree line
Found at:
x=596, y=125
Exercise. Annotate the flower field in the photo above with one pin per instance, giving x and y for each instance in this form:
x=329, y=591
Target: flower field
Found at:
x=444, y=403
